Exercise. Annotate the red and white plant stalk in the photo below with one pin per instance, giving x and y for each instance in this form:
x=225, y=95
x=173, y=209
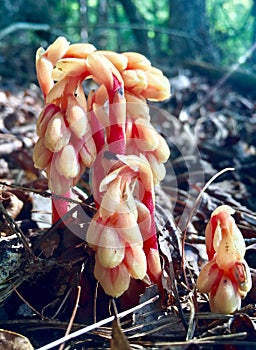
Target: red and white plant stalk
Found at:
x=109, y=132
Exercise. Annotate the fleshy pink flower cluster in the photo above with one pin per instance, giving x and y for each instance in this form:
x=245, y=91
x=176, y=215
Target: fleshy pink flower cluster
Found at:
x=110, y=132
x=226, y=277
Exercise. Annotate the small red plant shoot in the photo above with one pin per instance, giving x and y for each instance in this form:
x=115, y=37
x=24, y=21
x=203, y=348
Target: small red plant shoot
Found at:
x=226, y=277
x=109, y=131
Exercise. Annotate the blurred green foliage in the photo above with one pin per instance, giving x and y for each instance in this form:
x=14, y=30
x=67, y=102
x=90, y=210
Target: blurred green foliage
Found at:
x=106, y=24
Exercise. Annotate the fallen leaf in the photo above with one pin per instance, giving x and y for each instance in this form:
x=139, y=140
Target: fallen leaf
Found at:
x=13, y=341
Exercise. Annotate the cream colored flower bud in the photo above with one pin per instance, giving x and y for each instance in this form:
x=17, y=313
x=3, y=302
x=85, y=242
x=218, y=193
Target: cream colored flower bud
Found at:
x=57, y=90
x=67, y=163
x=44, y=118
x=114, y=281
x=88, y=151
x=135, y=80
x=71, y=66
x=144, y=220
x=128, y=228
x=58, y=184
x=121, y=279
x=111, y=248
x=101, y=113
x=94, y=231
x=57, y=50
x=230, y=249
x=57, y=135
x=117, y=59
x=41, y=155
x=162, y=152
x=80, y=95
x=158, y=88
x=111, y=199
x=76, y=117
x=227, y=276
x=129, y=202
x=136, y=262
x=147, y=139
x=208, y=276
x=79, y=50
x=137, y=61
x=158, y=169
x=226, y=298
x=102, y=69
x=44, y=71
x=136, y=107
x=224, y=238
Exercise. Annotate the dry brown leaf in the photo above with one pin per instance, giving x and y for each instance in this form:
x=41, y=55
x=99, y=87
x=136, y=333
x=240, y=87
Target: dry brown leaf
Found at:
x=118, y=340
x=13, y=341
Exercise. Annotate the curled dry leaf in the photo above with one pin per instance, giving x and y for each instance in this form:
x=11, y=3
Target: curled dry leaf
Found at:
x=14, y=341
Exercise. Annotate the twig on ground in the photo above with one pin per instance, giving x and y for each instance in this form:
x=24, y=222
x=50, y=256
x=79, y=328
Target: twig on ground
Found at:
x=16, y=230
x=71, y=321
x=96, y=325
x=28, y=304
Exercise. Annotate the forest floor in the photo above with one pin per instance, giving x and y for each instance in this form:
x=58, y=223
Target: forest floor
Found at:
x=46, y=270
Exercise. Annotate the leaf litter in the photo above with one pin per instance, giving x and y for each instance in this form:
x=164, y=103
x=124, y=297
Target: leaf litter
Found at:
x=42, y=264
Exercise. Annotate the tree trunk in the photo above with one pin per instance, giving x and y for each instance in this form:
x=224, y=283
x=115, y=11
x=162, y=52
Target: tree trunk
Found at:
x=135, y=18
x=191, y=38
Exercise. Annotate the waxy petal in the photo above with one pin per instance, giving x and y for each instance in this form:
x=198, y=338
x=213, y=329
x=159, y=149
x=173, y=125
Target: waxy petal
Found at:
x=137, y=61
x=145, y=136
x=102, y=70
x=226, y=298
x=128, y=229
x=162, y=152
x=88, y=151
x=71, y=66
x=111, y=199
x=58, y=184
x=158, y=88
x=57, y=135
x=79, y=50
x=111, y=249
x=77, y=117
x=136, y=262
x=67, y=163
x=44, y=72
x=114, y=281
x=117, y=59
x=135, y=80
x=158, y=169
x=57, y=50
x=136, y=107
x=94, y=231
x=41, y=155
x=58, y=90
x=208, y=277
x=144, y=220
x=121, y=279
x=44, y=118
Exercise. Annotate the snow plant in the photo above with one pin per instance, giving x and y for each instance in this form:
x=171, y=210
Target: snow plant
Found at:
x=108, y=130
x=226, y=277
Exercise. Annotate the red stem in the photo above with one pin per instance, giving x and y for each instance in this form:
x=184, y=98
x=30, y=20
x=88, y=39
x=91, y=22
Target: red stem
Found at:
x=60, y=206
